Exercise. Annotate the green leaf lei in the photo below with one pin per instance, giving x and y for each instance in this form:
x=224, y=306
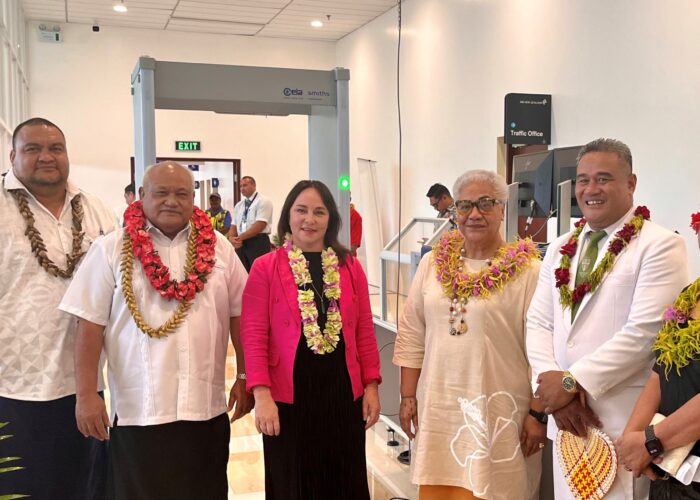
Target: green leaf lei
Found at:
x=677, y=344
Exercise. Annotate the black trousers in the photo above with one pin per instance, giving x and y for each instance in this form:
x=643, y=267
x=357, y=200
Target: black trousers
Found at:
x=176, y=461
x=672, y=489
x=253, y=248
x=58, y=461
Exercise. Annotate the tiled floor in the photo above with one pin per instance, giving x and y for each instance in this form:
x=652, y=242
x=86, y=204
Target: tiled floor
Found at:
x=387, y=477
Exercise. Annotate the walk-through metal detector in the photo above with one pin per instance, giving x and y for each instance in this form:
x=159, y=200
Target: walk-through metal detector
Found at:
x=249, y=90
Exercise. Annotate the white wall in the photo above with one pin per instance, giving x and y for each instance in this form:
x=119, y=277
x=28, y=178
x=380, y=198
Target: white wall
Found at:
x=83, y=84
x=14, y=84
x=626, y=69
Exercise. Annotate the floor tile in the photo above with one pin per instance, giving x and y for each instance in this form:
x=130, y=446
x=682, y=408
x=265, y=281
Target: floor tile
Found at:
x=246, y=473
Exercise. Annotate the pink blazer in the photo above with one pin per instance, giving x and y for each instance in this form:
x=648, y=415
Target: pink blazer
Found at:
x=271, y=326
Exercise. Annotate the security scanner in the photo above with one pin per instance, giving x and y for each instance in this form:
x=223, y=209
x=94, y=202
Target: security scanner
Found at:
x=249, y=90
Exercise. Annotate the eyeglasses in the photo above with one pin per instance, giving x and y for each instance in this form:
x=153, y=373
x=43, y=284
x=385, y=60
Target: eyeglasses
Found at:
x=484, y=204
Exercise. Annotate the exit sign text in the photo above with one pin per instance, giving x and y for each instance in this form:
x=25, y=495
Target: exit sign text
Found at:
x=188, y=146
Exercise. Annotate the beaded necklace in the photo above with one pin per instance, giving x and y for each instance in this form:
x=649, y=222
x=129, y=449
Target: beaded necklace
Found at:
x=460, y=286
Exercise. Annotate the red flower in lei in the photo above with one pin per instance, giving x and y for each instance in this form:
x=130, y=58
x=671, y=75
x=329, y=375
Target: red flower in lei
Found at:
x=158, y=273
x=569, y=248
x=562, y=277
x=695, y=222
x=580, y=292
x=643, y=211
x=621, y=239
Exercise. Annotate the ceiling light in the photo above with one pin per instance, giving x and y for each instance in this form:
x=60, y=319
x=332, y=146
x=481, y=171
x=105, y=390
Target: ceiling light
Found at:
x=119, y=7
x=316, y=23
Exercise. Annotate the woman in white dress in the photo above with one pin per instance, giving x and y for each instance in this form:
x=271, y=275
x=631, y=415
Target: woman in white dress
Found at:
x=465, y=379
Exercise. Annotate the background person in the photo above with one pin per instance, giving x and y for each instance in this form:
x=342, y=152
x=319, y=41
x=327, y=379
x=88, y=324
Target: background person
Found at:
x=129, y=197
x=442, y=201
x=314, y=368
x=252, y=216
x=462, y=337
x=220, y=217
x=355, y=230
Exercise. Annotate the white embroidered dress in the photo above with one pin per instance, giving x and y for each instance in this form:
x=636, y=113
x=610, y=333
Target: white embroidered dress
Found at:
x=474, y=390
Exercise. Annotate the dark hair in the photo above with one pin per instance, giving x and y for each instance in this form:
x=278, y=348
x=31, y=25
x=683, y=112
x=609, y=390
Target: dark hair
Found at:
x=437, y=190
x=334, y=221
x=249, y=178
x=129, y=189
x=604, y=145
x=31, y=123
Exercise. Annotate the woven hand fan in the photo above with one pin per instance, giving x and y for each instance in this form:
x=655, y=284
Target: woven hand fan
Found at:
x=589, y=464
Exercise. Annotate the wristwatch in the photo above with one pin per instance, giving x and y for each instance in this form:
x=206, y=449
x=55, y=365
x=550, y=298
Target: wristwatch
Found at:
x=652, y=443
x=240, y=376
x=539, y=416
x=568, y=383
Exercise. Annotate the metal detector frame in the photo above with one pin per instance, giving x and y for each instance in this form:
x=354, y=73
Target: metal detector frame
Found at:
x=321, y=95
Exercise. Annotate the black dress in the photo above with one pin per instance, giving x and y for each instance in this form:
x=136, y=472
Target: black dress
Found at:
x=320, y=452
x=675, y=392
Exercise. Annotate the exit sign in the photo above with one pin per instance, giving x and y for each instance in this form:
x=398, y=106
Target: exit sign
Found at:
x=188, y=146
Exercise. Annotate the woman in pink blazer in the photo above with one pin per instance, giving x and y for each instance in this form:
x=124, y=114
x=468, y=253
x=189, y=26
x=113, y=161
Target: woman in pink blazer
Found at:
x=311, y=355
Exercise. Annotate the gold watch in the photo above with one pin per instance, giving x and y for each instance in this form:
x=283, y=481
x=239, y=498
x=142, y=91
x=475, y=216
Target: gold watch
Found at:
x=568, y=383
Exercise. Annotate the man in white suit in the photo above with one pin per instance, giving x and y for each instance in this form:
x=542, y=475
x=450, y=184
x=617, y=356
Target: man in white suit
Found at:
x=589, y=365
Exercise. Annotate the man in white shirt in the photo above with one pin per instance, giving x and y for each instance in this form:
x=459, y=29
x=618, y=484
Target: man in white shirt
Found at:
x=129, y=197
x=160, y=298
x=47, y=226
x=252, y=216
x=598, y=306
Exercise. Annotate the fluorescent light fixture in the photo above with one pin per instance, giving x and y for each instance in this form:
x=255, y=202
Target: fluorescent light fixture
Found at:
x=119, y=7
x=316, y=23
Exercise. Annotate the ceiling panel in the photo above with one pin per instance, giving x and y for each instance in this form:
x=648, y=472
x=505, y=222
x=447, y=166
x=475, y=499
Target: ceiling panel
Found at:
x=146, y=24
x=274, y=18
x=218, y=12
x=273, y=4
x=223, y=28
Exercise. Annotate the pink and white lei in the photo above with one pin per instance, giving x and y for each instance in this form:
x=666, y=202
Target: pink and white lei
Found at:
x=319, y=342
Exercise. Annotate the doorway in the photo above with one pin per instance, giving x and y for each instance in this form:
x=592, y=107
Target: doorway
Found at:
x=211, y=175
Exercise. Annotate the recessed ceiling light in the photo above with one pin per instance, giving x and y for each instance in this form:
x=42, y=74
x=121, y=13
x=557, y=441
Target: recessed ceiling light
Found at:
x=119, y=7
x=316, y=23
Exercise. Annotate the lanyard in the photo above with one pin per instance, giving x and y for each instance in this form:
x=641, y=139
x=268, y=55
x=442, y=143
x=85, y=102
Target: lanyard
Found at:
x=247, y=207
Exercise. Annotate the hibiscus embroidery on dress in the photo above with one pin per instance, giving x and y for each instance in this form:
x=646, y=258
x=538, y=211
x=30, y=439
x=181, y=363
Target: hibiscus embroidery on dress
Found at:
x=490, y=432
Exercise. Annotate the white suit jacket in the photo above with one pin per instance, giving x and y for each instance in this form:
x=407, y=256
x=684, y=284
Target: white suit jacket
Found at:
x=607, y=348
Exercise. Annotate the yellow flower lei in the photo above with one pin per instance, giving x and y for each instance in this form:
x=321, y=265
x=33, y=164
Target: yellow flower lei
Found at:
x=319, y=342
x=510, y=260
x=678, y=346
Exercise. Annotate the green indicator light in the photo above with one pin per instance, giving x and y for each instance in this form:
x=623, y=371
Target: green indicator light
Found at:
x=344, y=183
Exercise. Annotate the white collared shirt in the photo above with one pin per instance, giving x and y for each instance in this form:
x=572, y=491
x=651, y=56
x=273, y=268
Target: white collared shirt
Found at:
x=178, y=377
x=36, y=339
x=609, y=231
x=260, y=210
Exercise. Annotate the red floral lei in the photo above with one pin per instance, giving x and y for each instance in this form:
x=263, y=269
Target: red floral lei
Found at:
x=569, y=298
x=158, y=274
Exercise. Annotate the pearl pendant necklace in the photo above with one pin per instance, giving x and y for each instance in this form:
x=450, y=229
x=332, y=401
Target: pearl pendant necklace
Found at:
x=458, y=307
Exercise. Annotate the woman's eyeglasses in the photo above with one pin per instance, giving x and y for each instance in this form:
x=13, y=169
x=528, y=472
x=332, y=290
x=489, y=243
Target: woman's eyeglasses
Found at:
x=484, y=204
